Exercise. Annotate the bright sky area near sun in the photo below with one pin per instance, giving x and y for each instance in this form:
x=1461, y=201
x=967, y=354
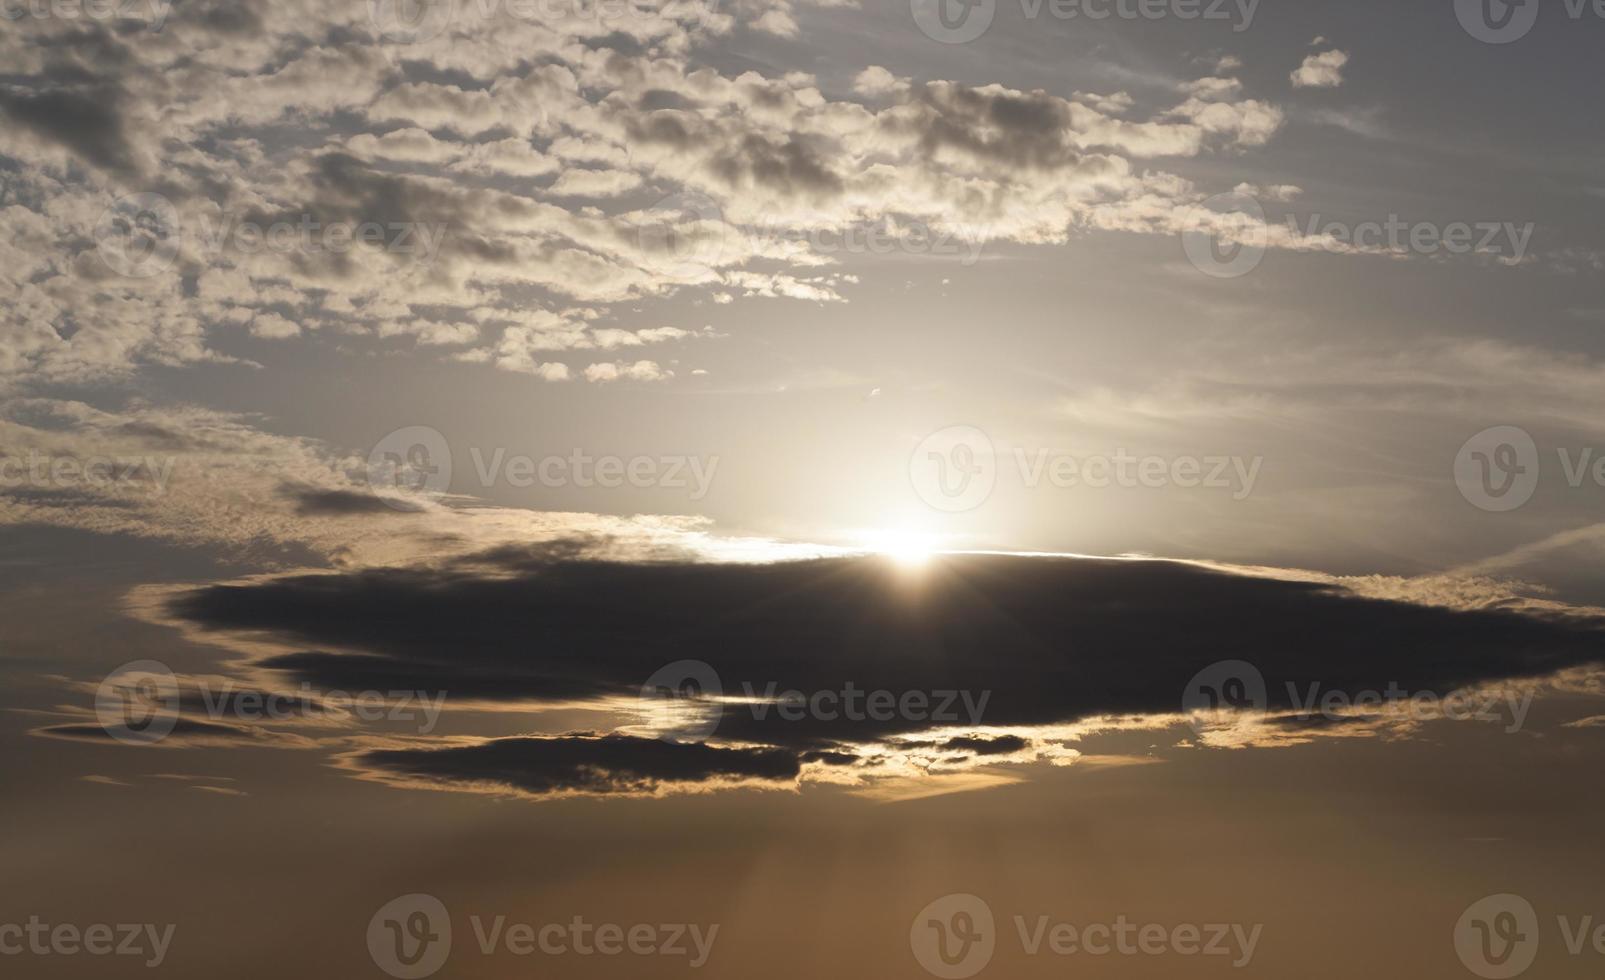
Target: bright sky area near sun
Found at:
x=573, y=301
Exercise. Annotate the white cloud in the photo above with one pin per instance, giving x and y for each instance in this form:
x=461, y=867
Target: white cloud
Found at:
x=273, y=327
x=777, y=22
x=606, y=371
x=875, y=81
x=595, y=183
x=1324, y=70
x=452, y=139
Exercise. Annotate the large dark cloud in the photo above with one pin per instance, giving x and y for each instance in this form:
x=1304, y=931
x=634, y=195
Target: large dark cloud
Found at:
x=1052, y=639
x=585, y=763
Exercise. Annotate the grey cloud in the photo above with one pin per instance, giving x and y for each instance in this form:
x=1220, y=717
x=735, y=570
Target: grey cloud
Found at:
x=1054, y=640
x=315, y=502
x=85, y=121
x=584, y=763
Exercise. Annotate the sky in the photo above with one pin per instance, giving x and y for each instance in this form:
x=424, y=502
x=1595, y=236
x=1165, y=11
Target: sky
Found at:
x=889, y=487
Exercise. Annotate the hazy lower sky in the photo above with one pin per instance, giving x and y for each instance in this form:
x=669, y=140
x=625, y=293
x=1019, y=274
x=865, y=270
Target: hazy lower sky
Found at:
x=713, y=487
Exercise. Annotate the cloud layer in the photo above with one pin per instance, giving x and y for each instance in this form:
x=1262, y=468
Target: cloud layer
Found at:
x=986, y=658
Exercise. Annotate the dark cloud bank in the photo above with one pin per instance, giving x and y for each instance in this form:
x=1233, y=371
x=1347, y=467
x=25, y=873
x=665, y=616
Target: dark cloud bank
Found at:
x=1053, y=640
x=586, y=763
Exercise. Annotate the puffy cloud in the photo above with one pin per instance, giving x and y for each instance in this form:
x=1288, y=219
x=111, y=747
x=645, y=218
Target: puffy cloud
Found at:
x=777, y=22
x=605, y=371
x=875, y=81
x=273, y=327
x=595, y=183
x=1112, y=104
x=1324, y=70
x=425, y=190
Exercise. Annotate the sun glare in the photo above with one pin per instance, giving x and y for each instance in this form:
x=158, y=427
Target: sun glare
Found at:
x=905, y=546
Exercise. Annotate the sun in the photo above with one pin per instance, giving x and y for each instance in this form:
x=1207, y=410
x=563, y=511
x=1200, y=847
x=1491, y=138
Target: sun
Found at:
x=908, y=547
